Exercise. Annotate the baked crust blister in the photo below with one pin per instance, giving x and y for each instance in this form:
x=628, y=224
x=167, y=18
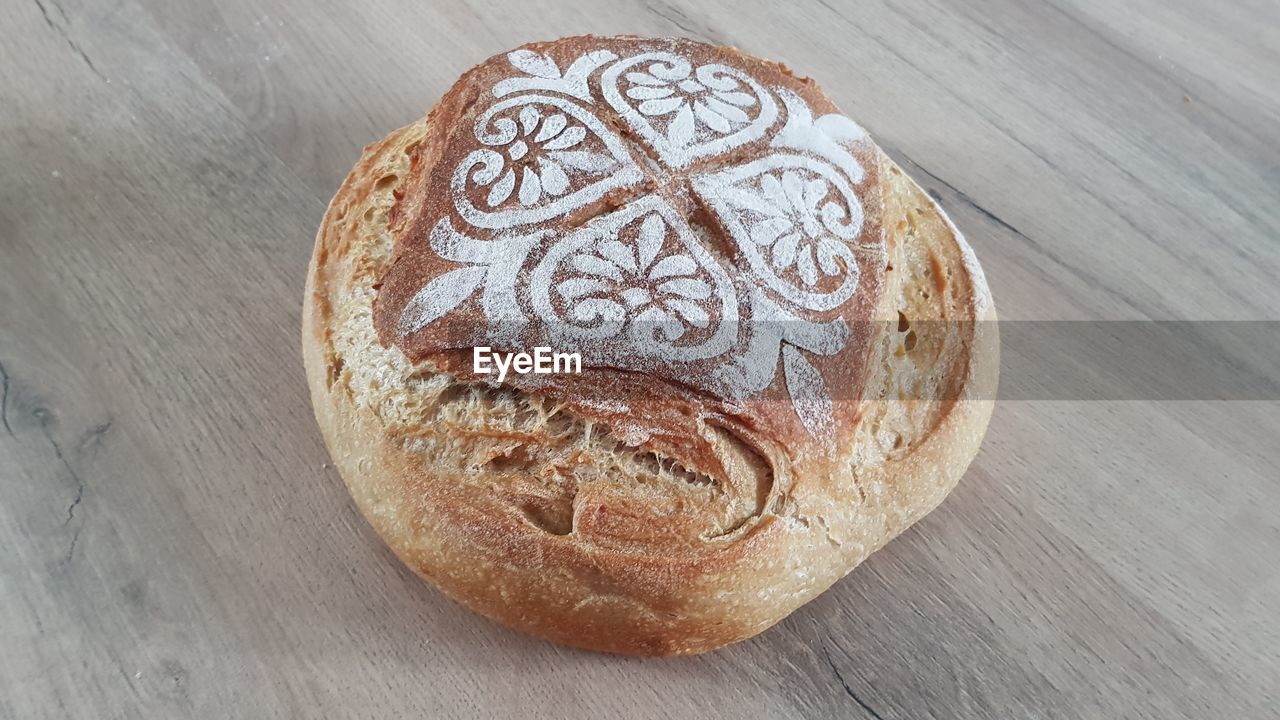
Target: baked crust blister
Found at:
x=655, y=504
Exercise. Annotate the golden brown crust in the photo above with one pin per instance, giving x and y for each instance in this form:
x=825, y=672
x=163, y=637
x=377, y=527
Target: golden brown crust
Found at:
x=668, y=398
x=536, y=514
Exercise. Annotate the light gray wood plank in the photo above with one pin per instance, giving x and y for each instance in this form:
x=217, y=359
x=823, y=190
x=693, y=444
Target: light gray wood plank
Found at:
x=177, y=545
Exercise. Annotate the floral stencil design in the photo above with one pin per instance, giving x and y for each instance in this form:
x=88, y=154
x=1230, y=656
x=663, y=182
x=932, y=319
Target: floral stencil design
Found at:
x=545, y=142
x=634, y=284
x=613, y=281
x=686, y=113
x=793, y=229
x=713, y=100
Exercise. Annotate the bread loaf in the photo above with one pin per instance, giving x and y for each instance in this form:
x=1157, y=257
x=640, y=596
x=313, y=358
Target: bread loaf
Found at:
x=785, y=346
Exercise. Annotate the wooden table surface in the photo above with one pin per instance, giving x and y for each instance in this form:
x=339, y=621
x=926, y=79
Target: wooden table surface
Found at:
x=174, y=543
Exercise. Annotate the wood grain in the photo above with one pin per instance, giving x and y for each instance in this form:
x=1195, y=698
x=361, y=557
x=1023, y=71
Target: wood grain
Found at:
x=176, y=544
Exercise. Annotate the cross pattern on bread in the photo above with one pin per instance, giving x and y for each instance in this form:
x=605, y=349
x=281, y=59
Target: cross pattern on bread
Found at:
x=698, y=250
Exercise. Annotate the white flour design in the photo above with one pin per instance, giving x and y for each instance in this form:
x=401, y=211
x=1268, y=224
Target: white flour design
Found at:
x=637, y=286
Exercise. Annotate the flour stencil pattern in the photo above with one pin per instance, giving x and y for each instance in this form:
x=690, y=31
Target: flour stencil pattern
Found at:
x=638, y=284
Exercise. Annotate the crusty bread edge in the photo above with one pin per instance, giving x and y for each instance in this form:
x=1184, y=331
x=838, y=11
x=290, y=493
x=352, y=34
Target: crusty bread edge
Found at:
x=935, y=466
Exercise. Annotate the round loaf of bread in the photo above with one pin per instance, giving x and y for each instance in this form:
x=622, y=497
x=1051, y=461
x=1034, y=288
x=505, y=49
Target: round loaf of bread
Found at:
x=785, y=352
